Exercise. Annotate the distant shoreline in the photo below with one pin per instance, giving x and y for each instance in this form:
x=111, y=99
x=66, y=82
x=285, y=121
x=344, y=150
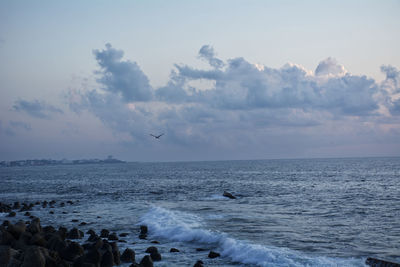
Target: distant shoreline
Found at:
x=51, y=162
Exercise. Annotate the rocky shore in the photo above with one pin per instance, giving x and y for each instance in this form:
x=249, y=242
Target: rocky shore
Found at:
x=25, y=243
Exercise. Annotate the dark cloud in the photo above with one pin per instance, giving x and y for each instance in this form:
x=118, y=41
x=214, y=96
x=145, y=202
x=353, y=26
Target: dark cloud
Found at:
x=124, y=77
x=36, y=108
x=207, y=53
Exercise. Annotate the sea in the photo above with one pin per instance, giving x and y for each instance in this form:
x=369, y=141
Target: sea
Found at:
x=293, y=212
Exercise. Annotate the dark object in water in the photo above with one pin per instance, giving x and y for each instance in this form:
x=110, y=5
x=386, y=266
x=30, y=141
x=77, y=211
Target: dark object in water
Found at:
x=213, y=255
x=380, y=263
x=227, y=194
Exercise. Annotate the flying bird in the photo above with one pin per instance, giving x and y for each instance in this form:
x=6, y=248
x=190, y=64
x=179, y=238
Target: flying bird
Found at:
x=157, y=136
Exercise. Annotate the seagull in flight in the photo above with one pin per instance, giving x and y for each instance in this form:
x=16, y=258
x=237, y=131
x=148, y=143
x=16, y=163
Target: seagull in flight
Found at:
x=157, y=136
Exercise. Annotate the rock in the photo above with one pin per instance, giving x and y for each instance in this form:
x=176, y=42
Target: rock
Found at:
x=104, y=233
x=142, y=236
x=93, y=256
x=174, y=250
x=5, y=223
x=16, y=229
x=213, y=255
x=16, y=205
x=6, y=238
x=6, y=254
x=201, y=249
x=123, y=234
x=70, y=202
x=151, y=250
x=83, y=223
x=11, y=214
x=93, y=238
x=107, y=260
x=51, y=212
x=49, y=229
x=198, y=264
x=155, y=256
x=34, y=227
x=27, y=213
x=116, y=253
x=72, y=251
x=38, y=240
x=74, y=233
x=56, y=243
x=75, y=220
x=4, y=207
x=34, y=256
x=146, y=261
x=227, y=194
x=128, y=255
x=62, y=232
x=44, y=204
x=143, y=229
x=91, y=232
x=23, y=240
x=113, y=237
x=62, y=204
x=380, y=263
x=155, y=242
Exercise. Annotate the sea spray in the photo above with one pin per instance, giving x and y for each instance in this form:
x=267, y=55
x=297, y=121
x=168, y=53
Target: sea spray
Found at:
x=177, y=226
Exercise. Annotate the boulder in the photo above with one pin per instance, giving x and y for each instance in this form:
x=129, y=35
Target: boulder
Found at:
x=113, y=237
x=123, y=234
x=104, y=233
x=143, y=229
x=174, y=250
x=107, y=260
x=378, y=263
x=151, y=249
x=72, y=251
x=34, y=227
x=229, y=195
x=6, y=254
x=6, y=238
x=213, y=255
x=56, y=243
x=34, y=256
x=93, y=256
x=91, y=232
x=38, y=240
x=16, y=229
x=11, y=214
x=16, y=205
x=198, y=264
x=5, y=207
x=155, y=256
x=74, y=233
x=128, y=255
x=146, y=261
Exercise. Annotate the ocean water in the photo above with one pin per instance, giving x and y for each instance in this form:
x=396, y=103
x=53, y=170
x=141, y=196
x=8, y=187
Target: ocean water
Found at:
x=308, y=212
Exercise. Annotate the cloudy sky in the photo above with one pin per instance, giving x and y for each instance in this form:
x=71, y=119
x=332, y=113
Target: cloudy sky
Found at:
x=221, y=79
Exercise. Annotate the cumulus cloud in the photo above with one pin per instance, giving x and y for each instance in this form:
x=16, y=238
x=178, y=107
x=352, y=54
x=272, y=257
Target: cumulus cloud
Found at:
x=36, y=108
x=243, y=101
x=122, y=77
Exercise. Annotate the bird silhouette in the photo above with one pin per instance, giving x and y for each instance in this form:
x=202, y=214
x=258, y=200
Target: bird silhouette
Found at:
x=157, y=136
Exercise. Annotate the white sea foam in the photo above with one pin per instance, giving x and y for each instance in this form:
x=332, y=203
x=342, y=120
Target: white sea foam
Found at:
x=184, y=227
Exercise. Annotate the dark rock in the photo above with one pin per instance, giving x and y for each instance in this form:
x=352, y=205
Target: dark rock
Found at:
x=4, y=207
x=74, y=220
x=16, y=205
x=113, y=236
x=143, y=229
x=93, y=238
x=51, y=212
x=201, y=249
x=62, y=204
x=56, y=243
x=104, y=233
x=116, y=253
x=72, y=251
x=64, y=212
x=107, y=260
x=91, y=232
x=83, y=223
x=38, y=240
x=48, y=229
x=6, y=238
x=174, y=250
x=74, y=233
x=16, y=229
x=34, y=227
x=6, y=254
x=11, y=214
x=151, y=250
x=34, y=256
x=27, y=213
x=198, y=264
x=5, y=223
x=229, y=195
x=70, y=202
x=93, y=256
x=52, y=202
x=23, y=241
x=155, y=242
x=37, y=203
x=380, y=263
x=155, y=256
x=62, y=232
x=146, y=261
x=128, y=255
x=123, y=234
x=213, y=255
x=142, y=236
x=44, y=204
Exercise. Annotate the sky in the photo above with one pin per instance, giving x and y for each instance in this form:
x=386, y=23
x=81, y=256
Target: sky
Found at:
x=223, y=80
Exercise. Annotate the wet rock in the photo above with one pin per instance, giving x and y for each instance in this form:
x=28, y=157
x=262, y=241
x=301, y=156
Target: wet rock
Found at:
x=64, y=212
x=116, y=253
x=213, y=255
x=38, y=240
x=93, y=256
x=34, y=227
x=70, y=202
x=11, y=214
x=16, y=205
x=23, y=241
x=174, y=250
x=380, y=263
x=6, y=238
x=151, y=249
x=34, y=256
x=4, y=208
x=142, y=236
x=83, y=223
x=5, y=223
x=155, y=242
x=201, y=249
x=62, y=204
x=104, y=233
x=16, y=229
x=93, y=238
x=52, y=202
x=123, y=234
x=155, y=256
x=72, y=251
x=75, y=220
x=74, y=233
x=107, y=260
x=113, y=236
x=62, y=232
x=229, y=195
x=198, y=264
x=6, y=254
x=27, y=213
x=48, y=229
x=143, y=229
x=51, y=212
x=91, y=232
x=56, y=243
x=146, y=261
x=128, y=255
x=44, y=204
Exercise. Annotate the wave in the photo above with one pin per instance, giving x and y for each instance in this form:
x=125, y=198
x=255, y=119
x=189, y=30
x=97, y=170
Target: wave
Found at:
x=185, y=227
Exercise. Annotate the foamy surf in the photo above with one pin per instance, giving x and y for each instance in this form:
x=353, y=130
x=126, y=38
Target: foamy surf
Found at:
x=178, y=226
